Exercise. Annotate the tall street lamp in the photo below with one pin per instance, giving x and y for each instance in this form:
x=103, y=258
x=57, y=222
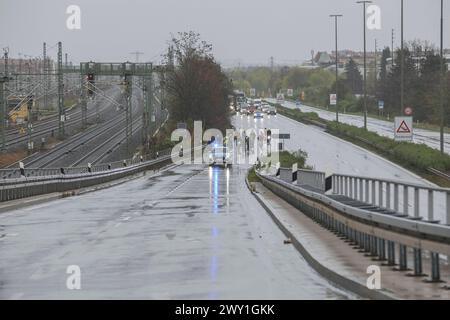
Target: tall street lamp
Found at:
x=443, y=74
x=365, y=61
x=402, y=66
x=336, y=16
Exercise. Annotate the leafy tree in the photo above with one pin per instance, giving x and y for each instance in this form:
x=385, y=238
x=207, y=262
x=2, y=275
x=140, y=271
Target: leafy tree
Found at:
x=383, y=64
x=353, y=77
x=197, y=88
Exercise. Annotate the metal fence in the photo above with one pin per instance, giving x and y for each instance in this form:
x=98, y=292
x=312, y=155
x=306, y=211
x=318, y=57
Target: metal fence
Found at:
x=396, y=239
x=44, y=181
x=16, y=173
x=409, y=200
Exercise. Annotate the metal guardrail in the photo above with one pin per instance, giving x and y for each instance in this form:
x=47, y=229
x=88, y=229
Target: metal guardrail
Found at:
x=15, y=173
x=46, y=181
x=374, y=232
x=314, y=179
x=413, y=201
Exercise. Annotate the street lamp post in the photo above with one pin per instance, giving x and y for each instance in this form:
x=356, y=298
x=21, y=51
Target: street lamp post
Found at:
x=443, y=73
x=402, y=66
x=336, y=16
x=365, y=61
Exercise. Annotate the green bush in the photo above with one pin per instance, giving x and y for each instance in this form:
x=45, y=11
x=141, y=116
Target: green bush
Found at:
x=420, y=156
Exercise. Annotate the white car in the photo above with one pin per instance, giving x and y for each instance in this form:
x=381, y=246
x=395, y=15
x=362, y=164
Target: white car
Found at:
x=258, y=115
x=220, y=156
x=257, y=103
x=265, y=107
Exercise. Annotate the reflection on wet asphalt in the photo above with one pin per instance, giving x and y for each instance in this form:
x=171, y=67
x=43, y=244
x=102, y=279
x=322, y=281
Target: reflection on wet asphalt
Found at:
x=192, y=232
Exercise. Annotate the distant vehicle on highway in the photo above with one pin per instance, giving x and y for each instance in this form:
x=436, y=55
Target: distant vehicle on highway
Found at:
x=272, y=111
x=265, y=107
x=220, y=156
x=244, y=110
x=236, y=99
x=257, y=103
x=258, y=114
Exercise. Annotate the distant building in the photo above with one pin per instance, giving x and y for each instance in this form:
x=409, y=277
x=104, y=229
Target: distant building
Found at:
x=323, y=59
x=25, y=66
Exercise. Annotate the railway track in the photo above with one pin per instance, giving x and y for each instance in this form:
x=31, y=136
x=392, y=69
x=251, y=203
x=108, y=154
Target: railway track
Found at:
x=73, y=111
x=43, y=129
x=110, y=145
x=61, y=154
x=439, y=173
x=75, y=142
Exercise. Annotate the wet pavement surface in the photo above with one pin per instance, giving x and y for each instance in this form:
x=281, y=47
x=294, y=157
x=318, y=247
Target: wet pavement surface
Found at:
x=191, y=232
x=332, y=155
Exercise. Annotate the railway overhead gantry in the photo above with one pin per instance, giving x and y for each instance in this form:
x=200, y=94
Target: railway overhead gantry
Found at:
x=88, y=71
x=126, y=71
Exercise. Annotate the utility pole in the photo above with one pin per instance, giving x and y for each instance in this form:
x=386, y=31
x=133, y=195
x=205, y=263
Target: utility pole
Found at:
x=128, y=109
x=148, y=117
x=392, y=46
x=5, y=55
x=376, y=69
x=61, y=110
x=3, y=112
x=30, y=124
x=137, y=54
x=443, y=78
x=2, y=100
x=336, y=16
x=44, y=54
x=83, y=101
x=365, y=61
x=66, y=65
x=402, y=66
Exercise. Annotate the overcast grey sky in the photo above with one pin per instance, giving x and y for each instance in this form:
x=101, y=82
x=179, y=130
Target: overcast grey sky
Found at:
x=249, y=31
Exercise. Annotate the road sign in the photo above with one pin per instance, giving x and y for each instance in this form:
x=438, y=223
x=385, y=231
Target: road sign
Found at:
x=381, y=105
x=403, y=129
x=280, y=98
x=408, y=111
x=252, y=92
x=282, y=136
x=290, y=92
x=333, y=99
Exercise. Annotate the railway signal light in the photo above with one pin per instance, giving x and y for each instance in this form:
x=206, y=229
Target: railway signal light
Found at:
x=91, y=82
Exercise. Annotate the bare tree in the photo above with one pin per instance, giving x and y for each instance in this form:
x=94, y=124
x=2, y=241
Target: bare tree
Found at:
x=197, y=88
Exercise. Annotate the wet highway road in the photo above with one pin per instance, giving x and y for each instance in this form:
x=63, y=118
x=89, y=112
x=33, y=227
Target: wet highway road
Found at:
x=382, y=127
x=191, y=232
x=332, y=155
x=328, y=153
